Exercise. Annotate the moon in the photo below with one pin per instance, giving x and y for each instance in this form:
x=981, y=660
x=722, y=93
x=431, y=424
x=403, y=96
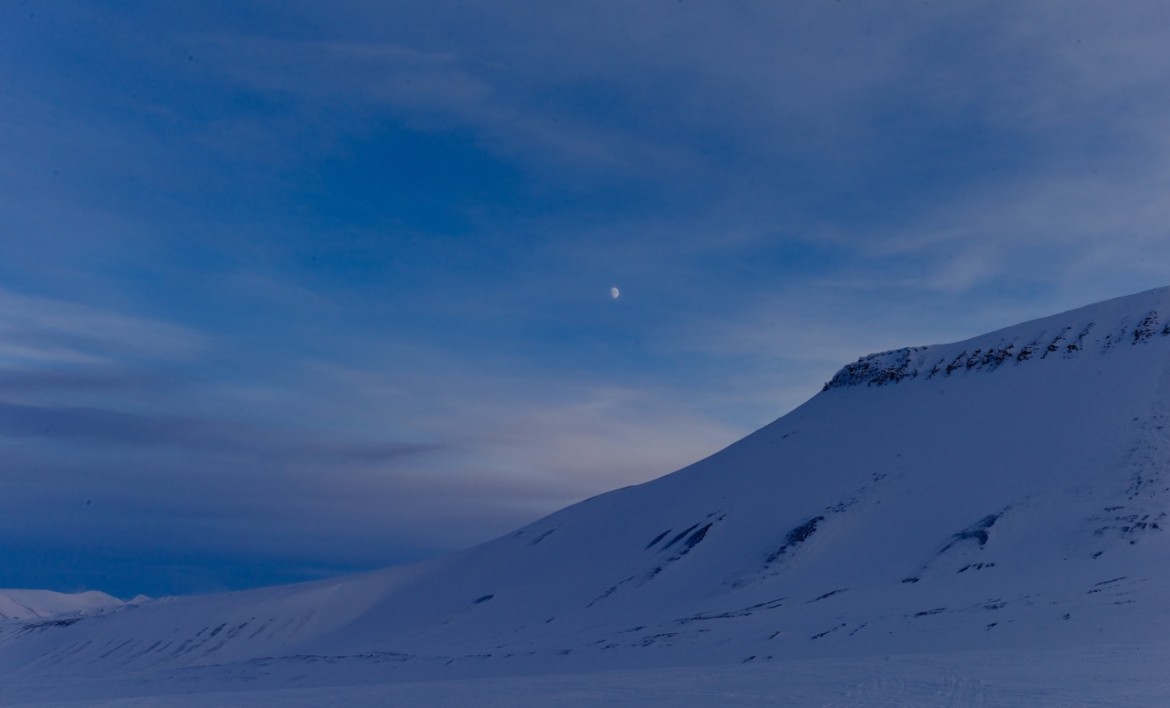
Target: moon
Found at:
x=615, y=293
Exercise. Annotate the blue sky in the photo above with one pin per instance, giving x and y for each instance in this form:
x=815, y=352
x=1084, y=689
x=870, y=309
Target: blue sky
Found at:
x=289, y=289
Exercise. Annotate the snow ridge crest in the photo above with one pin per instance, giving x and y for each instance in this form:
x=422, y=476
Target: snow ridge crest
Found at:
x=1020, y=345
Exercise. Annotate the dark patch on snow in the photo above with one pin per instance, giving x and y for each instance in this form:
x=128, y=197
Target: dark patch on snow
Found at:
x=795, y=537
x=695, y=538
x=50, y=624
x=542, y=536
x=975, y=566
x=115, y=649
x=827, y=595
x=1146, y=329
x=1103, y=585
x=682, y=534
x=827, y=632
x=657, y=538
x=1130, y=527
x=1110, y=582
x=877, y=369
x=843, y=505
x=653, y=638
x=260, y=629
x=976, y=532
x=614, y=588
x=927, y=613
x=729, y=614
x=693, y=535
x=1055, y=344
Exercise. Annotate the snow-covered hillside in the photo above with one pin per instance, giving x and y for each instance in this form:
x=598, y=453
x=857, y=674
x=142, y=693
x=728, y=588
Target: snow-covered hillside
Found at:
x=1009, y=491
x=35, y=604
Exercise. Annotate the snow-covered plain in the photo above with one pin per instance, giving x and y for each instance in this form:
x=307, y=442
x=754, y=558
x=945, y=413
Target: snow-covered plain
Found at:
x=1106, y=675
x=979, y=523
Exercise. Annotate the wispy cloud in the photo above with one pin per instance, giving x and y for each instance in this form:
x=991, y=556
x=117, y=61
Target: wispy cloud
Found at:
x=36, y=331
x=360, y=83
x=214, y=436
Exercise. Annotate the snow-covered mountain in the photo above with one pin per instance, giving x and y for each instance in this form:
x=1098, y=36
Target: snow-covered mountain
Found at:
x=37, y=604
x=1010, y=490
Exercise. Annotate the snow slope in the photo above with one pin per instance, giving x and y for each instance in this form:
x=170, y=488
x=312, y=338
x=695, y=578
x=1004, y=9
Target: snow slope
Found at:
x=1006, y=492
x=30, y=604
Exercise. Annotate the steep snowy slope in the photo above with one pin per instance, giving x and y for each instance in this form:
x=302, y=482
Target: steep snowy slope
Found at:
x=1010, y=490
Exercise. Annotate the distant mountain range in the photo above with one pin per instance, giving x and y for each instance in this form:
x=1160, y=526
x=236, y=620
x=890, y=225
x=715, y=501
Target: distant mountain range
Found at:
x=38, y=604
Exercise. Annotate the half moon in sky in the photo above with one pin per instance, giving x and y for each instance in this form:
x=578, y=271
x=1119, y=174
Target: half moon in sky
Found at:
x=614, y=293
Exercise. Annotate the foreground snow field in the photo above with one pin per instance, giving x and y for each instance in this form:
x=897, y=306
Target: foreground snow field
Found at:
x=990, y=515
x=1104, y=675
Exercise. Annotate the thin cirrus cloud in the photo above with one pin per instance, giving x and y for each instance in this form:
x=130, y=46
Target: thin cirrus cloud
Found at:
x=116, y=428
x=38, y=331
x=359, y=83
